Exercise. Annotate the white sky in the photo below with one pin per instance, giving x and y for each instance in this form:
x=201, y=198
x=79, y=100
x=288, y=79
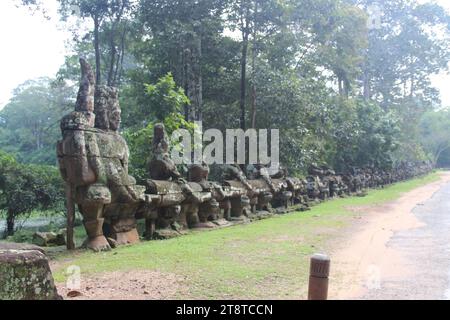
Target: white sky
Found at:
x=33, y=47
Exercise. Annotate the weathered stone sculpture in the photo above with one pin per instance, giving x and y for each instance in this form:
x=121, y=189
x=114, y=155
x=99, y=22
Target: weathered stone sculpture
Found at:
x=178, y=206
x=126, y=196
x=209, y=211
x=161, y=166
x=93, y=158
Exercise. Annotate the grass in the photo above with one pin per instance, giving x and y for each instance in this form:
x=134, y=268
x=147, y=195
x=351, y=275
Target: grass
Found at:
x=264, y=260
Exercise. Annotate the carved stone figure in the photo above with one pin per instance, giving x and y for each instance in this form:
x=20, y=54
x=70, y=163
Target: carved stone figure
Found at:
x=126, y=196
x=209, y=210
x=234, y=172
x=93, y=158
x=161, y=166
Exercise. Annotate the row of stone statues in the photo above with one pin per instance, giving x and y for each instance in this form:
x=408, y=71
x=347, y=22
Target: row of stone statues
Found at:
x=93, y=160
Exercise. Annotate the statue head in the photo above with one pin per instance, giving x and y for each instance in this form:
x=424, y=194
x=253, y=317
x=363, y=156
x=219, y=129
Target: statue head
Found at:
x=160, y=140
x=159, y=132
x=107, y=109
x=198, y=172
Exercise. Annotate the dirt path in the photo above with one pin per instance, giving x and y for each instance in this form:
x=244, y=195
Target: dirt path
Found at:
x=390, y=252
x=131, y=285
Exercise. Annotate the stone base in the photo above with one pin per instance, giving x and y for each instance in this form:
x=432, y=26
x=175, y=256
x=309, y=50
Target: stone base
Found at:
x=222, y=223
x=128, y=237
x=262, y=214
x=204, y=225
x=240, y=219
x=25, y=275
x=294, y=208
x=163, y=234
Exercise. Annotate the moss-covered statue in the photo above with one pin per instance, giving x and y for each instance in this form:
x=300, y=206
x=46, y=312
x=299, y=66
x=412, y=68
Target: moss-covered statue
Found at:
x=93, y=159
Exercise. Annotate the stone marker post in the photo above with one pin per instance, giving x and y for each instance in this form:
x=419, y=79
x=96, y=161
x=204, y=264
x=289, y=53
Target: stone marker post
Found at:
x=318, y=277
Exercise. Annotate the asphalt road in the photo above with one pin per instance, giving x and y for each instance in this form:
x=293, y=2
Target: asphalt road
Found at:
x=427, y=253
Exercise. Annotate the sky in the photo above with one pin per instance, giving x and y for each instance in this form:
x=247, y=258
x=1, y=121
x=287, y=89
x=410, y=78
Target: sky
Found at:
x=33, y=47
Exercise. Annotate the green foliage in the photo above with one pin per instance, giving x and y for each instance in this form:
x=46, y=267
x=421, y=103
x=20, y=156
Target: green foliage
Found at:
x=434, y=127
x=140, y=143
x=165, y=97
x=22, y=236
x=24, y=188
x=158, y=101
x=339, y=92
x=29, y=123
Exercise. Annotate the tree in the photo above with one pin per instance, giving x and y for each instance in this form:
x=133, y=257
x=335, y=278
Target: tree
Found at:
x=110, y=20
x=435, y=139
x=342, y=44
x=339, y=90
x=161, y=100
x=180, y=30
x=24, y=188
x=253, y=19
x=30, y=121
x=110, y=27
x=404, y=50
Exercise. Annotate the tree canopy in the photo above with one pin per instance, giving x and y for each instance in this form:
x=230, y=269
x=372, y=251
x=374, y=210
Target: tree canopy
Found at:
x=344, y=87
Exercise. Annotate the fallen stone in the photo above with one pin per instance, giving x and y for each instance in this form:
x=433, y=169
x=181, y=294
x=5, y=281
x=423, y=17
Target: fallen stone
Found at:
x=46, y=239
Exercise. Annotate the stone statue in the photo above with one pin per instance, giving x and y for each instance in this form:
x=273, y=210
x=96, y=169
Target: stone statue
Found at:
x=234, y=172
x=126, y=196
x=93, y=159
x=161, y=166
x=263, y=173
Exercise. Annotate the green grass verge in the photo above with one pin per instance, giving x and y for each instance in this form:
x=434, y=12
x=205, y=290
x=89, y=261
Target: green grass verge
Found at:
x=266, y=259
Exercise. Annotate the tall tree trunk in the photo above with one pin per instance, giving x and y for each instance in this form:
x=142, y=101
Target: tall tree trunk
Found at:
x=97, y=49
x=199, y=78
x=120, y=58
x=112, y=60
x=193, y=77
x=340, y=85
x=366, y=90
x=10, y=223
x=243, y=77
x=185, y=58
x=253, y=89
x=253, y=107
x=346, y=88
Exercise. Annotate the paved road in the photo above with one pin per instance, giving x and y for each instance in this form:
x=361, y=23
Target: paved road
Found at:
x=427, y=252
